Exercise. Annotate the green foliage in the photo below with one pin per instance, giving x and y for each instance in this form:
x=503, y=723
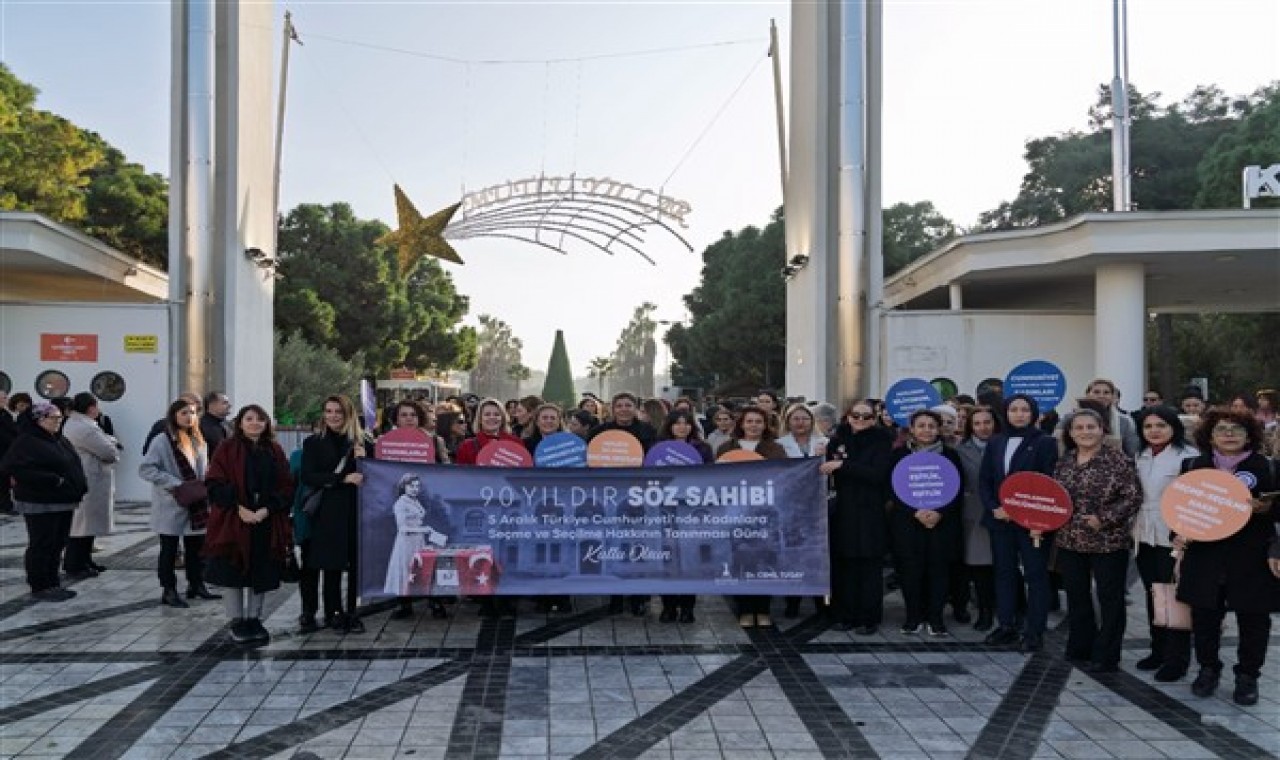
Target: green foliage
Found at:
x=497, y=353
x=634, y=354
x=1253, y=141
x=738, y=311
x=52, y=167
x=1233, y=350
x=44, y=159
x=558, y=388
x=910, y=230
x=341, y=289
x=305, y=374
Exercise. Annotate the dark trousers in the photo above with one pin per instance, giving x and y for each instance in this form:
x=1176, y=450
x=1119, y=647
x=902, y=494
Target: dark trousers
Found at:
x=857, y=590
x=333, y=601
x=46, y=540
x=76, y=559
x=980, y=578
x=678, y=601
x=308, y=582
x=1011, y=547
x=1155, y=565
x=1087, y=638
x=925, y=583
x=1255, y=629
x=753, y=605
x=166, y=566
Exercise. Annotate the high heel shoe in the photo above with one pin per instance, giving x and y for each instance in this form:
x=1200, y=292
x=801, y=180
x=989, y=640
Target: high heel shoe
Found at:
x=170, y=598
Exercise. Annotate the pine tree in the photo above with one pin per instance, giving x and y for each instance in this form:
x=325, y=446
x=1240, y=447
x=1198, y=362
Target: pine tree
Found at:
x=559, y=386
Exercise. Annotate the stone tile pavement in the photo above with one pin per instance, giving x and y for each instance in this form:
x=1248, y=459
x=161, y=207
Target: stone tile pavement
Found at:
x=111, y=674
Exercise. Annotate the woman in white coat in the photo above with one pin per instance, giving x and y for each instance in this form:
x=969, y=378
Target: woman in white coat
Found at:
x=94, y=517
x=172, y=460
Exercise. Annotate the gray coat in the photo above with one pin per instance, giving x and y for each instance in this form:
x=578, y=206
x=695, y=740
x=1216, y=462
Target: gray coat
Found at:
x=98, y=456
x=977, y=542
x=160, y=468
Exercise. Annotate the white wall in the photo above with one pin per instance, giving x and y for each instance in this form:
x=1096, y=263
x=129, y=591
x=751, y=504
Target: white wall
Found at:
x=969, y=347
x=146, y=375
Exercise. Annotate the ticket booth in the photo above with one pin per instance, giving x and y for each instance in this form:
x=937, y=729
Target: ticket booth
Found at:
x=77, y=315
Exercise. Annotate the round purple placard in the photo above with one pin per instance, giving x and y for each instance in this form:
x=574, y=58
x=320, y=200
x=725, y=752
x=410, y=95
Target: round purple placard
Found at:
x=926, y=481
x=672, y=454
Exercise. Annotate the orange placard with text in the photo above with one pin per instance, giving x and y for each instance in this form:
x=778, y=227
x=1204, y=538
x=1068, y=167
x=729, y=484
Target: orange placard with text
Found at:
x=738, y=455
x=615, y=448
x=1206, y=505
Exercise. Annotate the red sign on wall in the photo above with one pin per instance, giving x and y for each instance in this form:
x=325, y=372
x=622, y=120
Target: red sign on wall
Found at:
x=67, y=347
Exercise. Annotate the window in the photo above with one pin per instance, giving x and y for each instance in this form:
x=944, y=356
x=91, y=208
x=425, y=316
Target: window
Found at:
x=107, y=386
x=52, y=384
x=540, y=554
x=555, y=554
x=474, y=521
x=513, y=555
x=704, y=553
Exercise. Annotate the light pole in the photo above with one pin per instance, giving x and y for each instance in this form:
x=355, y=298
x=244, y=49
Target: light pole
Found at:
x=666, y=349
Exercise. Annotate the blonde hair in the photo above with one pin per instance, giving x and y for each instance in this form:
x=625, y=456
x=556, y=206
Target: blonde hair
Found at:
x=351, y=423
x=533, y=419
x=496, y=404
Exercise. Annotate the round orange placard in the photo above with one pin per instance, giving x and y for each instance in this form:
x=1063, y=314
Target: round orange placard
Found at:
x=615, y=448
x=1206, y=505
x=738, y=455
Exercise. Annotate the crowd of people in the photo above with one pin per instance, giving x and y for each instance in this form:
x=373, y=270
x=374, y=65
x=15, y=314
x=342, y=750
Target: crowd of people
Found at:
x=231, y=508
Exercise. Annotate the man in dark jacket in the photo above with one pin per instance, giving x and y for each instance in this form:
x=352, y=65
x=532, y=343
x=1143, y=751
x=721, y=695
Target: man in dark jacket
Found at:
x=213, y=423
x=49, y=482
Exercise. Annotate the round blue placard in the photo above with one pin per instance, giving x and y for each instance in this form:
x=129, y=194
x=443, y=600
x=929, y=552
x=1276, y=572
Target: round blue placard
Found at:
x=1041, y=380
x=561, y=450
x=910, y=395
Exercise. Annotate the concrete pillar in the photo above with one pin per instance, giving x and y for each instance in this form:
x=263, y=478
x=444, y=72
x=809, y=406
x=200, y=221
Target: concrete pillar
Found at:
x=1120, y=316
x=956, y=292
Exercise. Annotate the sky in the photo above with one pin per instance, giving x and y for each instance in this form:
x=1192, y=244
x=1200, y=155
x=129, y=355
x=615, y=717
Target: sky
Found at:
x=966, y=83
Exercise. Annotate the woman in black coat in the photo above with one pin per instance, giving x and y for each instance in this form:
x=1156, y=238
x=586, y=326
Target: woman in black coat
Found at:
x=1233, y=573
x=48, y=483
x=926, y=541
x=329, y=462
x=858, y=463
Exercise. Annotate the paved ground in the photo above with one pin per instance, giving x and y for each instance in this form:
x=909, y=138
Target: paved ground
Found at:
x=112, y=674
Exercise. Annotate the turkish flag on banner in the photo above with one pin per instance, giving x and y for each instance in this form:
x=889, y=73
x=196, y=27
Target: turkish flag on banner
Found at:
x=420, y=581
x=477, y=572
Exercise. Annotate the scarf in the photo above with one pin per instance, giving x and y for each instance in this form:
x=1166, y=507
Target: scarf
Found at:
x=1229, y=463
x=198, y=512
x=935, y=447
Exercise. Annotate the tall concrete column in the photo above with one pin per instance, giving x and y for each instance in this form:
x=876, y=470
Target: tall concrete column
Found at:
x=1120, y=317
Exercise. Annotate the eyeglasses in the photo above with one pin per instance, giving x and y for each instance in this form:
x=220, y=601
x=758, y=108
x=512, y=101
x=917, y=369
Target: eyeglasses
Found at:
x=1221, y=429
x=860, y=416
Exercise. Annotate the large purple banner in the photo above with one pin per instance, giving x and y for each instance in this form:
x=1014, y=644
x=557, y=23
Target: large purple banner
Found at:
x=752, y=528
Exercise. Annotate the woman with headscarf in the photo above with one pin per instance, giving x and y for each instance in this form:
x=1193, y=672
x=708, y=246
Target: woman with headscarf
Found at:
x=1093, y=546
x=1022, y=447
x=48, y=484
x=1240, y=573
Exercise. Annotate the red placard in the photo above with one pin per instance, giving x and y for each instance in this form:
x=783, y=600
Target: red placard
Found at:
x=504, y=454
x=739, y=455
x=68, y=347
x=1206, y=505
x=406, y=445
x=1035, y=501
x=615, y=448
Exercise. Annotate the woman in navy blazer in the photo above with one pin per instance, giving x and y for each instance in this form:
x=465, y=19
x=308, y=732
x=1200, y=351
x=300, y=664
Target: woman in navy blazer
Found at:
x=1022, y=447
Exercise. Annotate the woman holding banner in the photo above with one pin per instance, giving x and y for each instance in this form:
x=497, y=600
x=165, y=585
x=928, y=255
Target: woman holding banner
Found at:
x=1022, y=447
x=682, y=425
x=492, y=424
x=1160, y=457
x=858, y=463
x=329, y=461
x=1093, y=546
x=1237, y=572
x=801, y=442
x=926, y=541
x=547, y=420
x=753, y=433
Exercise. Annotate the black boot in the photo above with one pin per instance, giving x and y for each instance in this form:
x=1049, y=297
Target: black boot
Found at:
x=200, y=591
x=1246, y=692
x=1207, y=682
x=985, y=620
x=170, y=598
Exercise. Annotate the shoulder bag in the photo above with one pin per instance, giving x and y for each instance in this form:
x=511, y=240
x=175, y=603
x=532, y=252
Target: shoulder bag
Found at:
x=311, y=504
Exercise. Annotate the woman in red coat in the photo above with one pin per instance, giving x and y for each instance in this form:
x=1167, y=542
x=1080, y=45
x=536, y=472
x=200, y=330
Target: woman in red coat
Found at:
x=492, y=424
x=249, y=533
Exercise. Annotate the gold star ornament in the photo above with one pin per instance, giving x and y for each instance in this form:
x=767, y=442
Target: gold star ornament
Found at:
x=418, y=237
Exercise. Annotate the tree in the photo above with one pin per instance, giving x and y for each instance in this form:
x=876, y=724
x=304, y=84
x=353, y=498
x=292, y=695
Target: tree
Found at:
x=1253, y=141
x=341, y=289
x=599, y=369
x=518, y=373
x=558, y=388
x=305, y=374
x=636, y=350
x=128, y=208
x=910, y=230
x=497, y=351
x=737, y=327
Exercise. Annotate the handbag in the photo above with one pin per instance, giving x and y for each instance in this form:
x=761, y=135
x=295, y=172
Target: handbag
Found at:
x=1168, y=612
x=311, y=504
x=189, y=493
